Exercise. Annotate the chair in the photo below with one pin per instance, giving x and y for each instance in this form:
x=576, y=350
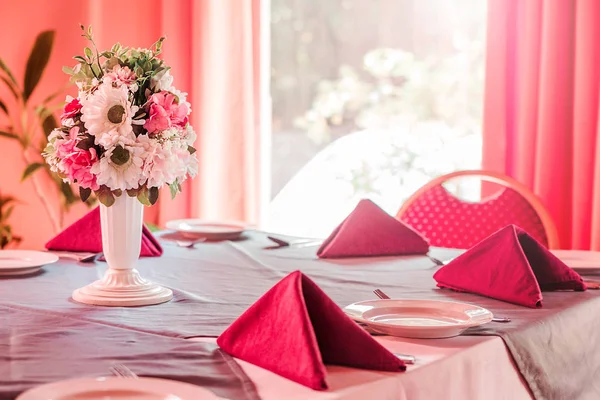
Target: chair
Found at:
x=448, y=221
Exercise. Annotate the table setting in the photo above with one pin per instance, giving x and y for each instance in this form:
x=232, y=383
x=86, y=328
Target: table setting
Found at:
x=222, y=310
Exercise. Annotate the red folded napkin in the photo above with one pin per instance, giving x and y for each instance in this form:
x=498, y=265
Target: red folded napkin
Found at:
x=370, y=231
x=511, y=266
x=294, y=329
x=85, y=235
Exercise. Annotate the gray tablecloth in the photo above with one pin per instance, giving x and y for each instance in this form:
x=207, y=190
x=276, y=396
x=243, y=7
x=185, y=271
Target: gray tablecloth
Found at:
x=37, y=348
x=554, y=347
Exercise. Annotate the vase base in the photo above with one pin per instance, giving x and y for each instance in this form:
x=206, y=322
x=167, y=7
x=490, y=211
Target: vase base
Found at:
x=122, y=288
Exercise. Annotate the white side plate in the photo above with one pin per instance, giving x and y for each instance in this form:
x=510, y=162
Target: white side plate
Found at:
x=118, y=389
x=426, y=319
x=196, y=228
x=20, y=262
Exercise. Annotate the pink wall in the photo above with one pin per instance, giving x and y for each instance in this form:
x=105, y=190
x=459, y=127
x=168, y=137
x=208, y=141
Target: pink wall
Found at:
x=20, y=22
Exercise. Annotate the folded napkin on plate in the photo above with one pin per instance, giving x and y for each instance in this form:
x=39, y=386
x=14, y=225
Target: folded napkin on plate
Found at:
x=370, y=231
x=511, y=266
x=85, y=235
x=294, y=329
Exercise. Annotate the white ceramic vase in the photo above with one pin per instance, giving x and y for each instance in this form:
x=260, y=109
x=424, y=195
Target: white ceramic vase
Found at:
x=122, y=284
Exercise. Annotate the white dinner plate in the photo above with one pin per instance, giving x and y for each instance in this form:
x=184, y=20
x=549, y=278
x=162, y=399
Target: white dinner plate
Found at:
x=20, y=262
x=580, y=260
x=211, y=230
x=118, y=389
x=425, y=319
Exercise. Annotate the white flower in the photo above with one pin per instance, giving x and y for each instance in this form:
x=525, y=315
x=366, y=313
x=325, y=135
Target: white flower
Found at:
x=166, y=161
x=107, y=109
x=120, y=168
x=162, y=81
x=114, y=138
x=190, y=135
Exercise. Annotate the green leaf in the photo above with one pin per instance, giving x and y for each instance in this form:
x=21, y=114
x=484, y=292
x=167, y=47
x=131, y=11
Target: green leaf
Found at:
x=8, y=72
x=96, y=70
x=84, y=193
x=31, y=168
x=88, y=53
x=105, y=197
x=153, y=195
x=3, y=108
x=68, y=194
x=67, y=70
x=49, y=124
x=11, y=87
x=6, y=214
x=175, y=188
x=9, y=135
x=86, y=143
x=38, y=59
x=143, y=196
x=80, y=59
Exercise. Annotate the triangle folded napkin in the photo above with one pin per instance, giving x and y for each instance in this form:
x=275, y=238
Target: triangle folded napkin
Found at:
x=370, y=231
x=295, y=328
x=85, y=235
x=511, y=266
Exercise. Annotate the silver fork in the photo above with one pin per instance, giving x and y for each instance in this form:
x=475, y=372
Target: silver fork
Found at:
x=190, y=245
x=294, y=243
x=122, y=371
x=384, y=296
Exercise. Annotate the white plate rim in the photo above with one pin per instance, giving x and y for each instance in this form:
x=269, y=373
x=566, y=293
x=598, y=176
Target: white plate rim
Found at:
x=480, y=321
x=236, y=226
x=43, y=258
x=184, y=390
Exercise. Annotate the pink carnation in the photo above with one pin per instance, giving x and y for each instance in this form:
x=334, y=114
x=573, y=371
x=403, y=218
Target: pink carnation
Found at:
x=164, y=112
x=75, y=163
x=120, y=75
x=71, y=109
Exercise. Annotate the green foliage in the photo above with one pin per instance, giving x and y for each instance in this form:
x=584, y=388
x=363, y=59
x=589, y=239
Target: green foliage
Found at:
x=93, y=63
x=7, y=205
x=38, y=59
x=30, y=124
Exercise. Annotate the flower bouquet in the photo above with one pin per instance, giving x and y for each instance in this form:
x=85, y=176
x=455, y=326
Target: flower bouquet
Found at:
x=126, y=135
x=127, y=131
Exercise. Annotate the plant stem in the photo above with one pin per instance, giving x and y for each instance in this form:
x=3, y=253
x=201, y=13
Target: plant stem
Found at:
x=56, y=224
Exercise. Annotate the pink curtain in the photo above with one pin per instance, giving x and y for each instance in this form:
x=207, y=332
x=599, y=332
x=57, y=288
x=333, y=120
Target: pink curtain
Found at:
x=213, y=48
x=541, y=117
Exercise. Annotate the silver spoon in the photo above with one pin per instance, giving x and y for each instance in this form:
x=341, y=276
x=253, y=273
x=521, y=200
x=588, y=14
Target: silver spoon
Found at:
x=384, y=296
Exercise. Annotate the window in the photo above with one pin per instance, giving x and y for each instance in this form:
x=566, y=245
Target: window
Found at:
x=370, y=99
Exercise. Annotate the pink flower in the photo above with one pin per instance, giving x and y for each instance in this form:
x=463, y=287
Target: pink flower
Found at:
x=164, y=112
x=71, y=109
x=120, y=75
x=76, y=163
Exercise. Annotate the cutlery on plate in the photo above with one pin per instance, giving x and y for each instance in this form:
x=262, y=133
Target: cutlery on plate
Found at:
x=122, y=371
x=294, y=243
x=436, y=261
x=384, y=296
x=190, y=245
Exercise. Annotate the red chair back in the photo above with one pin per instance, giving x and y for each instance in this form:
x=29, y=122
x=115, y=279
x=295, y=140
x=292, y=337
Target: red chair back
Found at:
x=448, y=221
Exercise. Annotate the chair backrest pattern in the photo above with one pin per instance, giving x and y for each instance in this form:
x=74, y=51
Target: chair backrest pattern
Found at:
x=451, y=222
